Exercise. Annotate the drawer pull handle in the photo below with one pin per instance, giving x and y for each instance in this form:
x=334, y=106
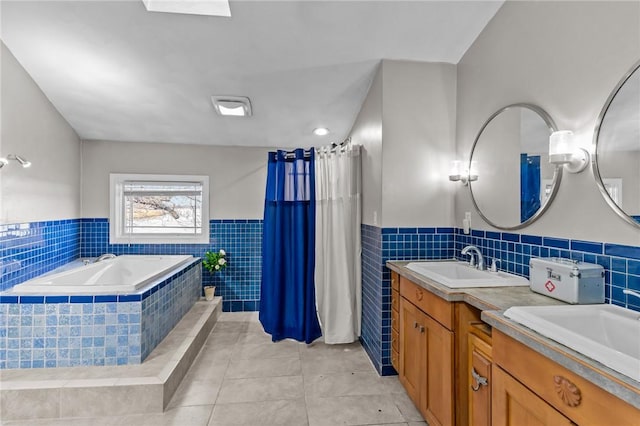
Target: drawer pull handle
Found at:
x=480, y=381
x=419, y=295
x=415, y=324
x=567, y=391
x=422, y=329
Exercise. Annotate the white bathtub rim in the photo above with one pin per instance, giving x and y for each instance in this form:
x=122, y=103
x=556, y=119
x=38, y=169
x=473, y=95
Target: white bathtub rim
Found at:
x=119, y=290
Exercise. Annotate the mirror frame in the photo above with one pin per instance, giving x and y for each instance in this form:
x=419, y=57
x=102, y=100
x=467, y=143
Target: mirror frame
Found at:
x=557, y=174
x=594, y=150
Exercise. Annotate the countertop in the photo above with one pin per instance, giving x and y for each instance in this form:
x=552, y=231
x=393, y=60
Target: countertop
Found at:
x=493, y=301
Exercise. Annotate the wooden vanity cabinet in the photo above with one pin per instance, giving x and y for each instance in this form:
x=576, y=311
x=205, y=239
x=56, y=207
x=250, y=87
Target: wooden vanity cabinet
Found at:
x=395, y=320
x=480, y=364
x=426, y=353
x=530, y=389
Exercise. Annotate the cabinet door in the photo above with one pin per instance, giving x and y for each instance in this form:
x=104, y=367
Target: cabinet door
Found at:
x=437, y=393
x=479, y=382
x=515, y=405
x=411, y=350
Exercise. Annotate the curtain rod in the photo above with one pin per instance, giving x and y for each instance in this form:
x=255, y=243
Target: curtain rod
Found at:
x=334, y=146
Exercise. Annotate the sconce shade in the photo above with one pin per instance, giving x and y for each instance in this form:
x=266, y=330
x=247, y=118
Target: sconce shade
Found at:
x=454, y=172
x=561, y=147
x=563, y=151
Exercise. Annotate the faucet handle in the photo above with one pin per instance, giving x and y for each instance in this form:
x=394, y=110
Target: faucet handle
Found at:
x=494, y=264
x=472, y=260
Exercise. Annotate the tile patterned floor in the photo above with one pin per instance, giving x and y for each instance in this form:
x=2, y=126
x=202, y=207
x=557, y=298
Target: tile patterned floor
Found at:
x=241, y=378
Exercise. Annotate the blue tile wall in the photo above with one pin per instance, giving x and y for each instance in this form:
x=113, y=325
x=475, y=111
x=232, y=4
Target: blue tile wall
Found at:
x=238, y=284
x=31, y=249
x=378, y=246
x=63, y=331
x=621, y=263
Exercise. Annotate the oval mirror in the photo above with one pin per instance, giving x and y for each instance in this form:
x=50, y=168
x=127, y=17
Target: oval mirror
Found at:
x=616, y=159
x=512, y=182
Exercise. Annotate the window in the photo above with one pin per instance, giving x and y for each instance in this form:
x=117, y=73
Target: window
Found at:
x=159, y=209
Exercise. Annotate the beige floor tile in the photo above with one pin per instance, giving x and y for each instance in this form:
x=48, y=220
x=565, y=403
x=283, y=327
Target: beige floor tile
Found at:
x=230, y=327
x=260, y=389
x=267, y=367
x=221, y=339
x=283, y=349
x=26, y=404
x=346, y=362
x=407, y=408
x=197, y=415
x=195, y=393
x=393, y=384
x=268, y=413
x=320, y=349
x=345, y=384
x=352, y=410
x=239, y=317
x=93, y=421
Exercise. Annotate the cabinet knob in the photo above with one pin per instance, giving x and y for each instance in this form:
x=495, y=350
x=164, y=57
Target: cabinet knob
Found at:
x=419, y=295
x=422, y=329
x=567, y=391
x=480, y=381
x=415, y=324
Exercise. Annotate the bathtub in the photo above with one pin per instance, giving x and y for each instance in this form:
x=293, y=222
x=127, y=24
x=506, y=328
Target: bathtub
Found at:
x=124, y=274
x=113, y=312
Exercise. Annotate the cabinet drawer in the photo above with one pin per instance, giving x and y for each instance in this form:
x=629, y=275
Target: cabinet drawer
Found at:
x=395, y=301
x=395, y=360
x=439, y=309
x=395, y=320
x=395, y=281
x=581, y=401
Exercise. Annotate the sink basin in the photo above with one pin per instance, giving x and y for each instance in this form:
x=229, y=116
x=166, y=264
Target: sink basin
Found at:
x=606, y=333
x=460, y=275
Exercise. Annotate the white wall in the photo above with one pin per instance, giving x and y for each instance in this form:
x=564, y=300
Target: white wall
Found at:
x=367, y=131
x=565, y=57
x=418, y=139
x=237, y=175
x=33, y=128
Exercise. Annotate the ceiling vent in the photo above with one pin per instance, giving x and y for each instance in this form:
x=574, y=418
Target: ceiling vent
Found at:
x=233, y=106
x=190, y=7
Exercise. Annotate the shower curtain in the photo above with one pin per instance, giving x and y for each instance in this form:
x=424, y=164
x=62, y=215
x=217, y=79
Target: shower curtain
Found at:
x=337, y=243
x=287, y=302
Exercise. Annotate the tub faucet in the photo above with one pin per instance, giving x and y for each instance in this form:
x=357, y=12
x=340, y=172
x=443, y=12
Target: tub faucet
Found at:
x=631, y=293
x=470, y=250
x=105, y=256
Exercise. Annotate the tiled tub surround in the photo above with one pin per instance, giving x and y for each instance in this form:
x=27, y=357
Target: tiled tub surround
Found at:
x=621, y=263
x=239, y=284
x=28, y=250
x=83, y=330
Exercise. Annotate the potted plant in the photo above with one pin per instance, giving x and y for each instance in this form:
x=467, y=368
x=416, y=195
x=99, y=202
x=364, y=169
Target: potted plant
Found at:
x=213, y=262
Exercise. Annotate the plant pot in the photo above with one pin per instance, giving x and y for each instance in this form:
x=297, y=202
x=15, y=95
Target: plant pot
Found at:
x=209, y=292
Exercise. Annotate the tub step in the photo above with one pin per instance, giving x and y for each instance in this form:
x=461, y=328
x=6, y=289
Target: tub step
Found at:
x=109, y=391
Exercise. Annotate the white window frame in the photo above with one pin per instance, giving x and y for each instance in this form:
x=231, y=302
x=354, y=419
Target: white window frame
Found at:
x=116, y=215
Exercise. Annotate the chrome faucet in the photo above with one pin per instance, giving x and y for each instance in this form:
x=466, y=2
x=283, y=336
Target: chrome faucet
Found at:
x=631, y=293
x=469, y=250
x=104, y=257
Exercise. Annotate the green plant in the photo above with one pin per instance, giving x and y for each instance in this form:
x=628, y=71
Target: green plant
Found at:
x=215, y=261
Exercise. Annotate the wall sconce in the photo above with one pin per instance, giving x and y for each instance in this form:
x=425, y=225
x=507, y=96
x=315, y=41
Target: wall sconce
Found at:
x=463, y=174
x=23, y=161
x=563, y=151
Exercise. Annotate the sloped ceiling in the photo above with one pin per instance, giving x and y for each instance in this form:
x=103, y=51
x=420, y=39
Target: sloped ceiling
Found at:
x=117, y=72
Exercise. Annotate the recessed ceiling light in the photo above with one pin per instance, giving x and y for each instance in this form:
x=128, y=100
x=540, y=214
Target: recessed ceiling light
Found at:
x=320, y=131
x=233, y=106
x=190, y=7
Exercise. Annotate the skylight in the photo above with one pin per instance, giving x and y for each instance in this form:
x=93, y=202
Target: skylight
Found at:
x=191, y=7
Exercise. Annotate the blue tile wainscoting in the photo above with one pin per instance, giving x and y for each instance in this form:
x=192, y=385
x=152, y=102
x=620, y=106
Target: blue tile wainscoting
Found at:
x=82, y=330
x=31, y=249
x=28, y=250
x=238, y=284
x=621, y=263
x=378, y=246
